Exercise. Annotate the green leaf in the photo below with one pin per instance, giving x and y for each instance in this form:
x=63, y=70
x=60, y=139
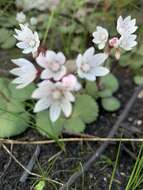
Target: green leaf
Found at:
x=136, y=62
x=13, y=124
x=4, y=35
x=21, y=94
x=105, y=93
x=110, y=82
x=91, y=89
x=40, y=185
x=125, y=60
x=86, y=108
x=2, y=105
x=15, y=106
x=74, y=124
x=138, y=79
x=46, y=127
x=13, y=117
x=140, y=50
x=4, y=87
x=110, y=104
x=9, y=43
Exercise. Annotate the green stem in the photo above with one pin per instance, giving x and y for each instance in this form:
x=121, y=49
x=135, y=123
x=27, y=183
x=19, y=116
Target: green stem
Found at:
x=48, y=26
x=115, y=167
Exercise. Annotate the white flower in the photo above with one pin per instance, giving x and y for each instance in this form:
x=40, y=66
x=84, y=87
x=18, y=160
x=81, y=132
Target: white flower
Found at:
x=55, y=97
x=37, y=4
x=26, y=72
x=126, y=26
x=53, y=64
x=29, y=41
x=70, y=82
x=33, y=21
x=21, y=17
x=128, y=42
x=89, y=65
x=100, y=37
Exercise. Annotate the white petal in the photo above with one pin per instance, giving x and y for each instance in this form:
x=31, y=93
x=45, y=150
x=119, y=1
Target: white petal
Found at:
x=55, y=111
x=50, y=55
x=41, y=105
x=18, y=80
x=99, y=59
x=16, y=71
x=21, y=62
x=60, y=58
x=27, y=50
x=69, y=97
x=44, y=90
x=90, y=76
x=22, y=45
x=46, y=74
x=67, y=108
x=101, y=71
x=89, y=53
x=79, y=60
x=42, y=60
x=58, y=75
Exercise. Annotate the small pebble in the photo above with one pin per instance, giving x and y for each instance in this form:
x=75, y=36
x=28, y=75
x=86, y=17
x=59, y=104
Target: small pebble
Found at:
x=130, y=119
x=140, y=95
x=122, y=173
x=139, y=122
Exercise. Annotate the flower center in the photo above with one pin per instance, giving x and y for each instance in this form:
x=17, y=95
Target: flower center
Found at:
x=57, y=94
x=85, y=67
x=55, y=66
x=32, y=43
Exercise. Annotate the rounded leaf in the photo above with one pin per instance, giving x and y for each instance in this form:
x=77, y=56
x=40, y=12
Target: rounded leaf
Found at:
x=15, y=106
x=110, y=104
x=21, y=94
x=109, y=82
x=12, y=124
x=138, y=79
x=46, y=127
x=91, y=89
x=74, y=124
x=105, y=93
x=86, y=108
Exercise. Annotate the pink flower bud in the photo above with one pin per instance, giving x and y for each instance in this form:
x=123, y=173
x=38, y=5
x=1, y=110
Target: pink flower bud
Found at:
x=71, y=83
x=114, y=42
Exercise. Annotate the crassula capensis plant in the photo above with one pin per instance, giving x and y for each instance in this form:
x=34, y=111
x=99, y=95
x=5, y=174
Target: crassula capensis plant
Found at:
x=66, y=91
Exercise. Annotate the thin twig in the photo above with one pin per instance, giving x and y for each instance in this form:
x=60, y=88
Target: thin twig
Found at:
x=24, y=168
x=82, y=135
x=103, y=147
x=68, y=140
x=30, y=164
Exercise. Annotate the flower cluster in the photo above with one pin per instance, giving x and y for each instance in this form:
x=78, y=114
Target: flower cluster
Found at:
x=41, y=5
x=22, y=19
x=56, y=84
x=127, y=40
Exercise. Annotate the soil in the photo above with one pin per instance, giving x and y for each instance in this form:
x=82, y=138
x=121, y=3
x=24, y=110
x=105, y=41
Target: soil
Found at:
x=98, y=177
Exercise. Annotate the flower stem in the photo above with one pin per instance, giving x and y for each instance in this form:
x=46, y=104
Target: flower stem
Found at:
x=48, y=26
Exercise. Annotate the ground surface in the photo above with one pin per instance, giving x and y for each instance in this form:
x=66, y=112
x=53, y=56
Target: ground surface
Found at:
x=98, y=177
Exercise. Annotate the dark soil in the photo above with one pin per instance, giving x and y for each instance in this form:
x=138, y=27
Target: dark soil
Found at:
x=98, y=177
